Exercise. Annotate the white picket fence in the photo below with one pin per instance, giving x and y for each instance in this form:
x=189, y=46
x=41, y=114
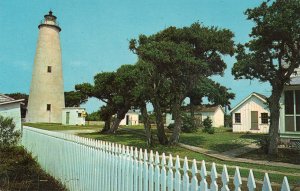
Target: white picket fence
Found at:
x=83, y=164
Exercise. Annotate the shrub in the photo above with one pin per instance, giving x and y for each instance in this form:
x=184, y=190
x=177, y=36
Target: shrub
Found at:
x=8, y=136
x=207, y=124
x=171, y=126
x=188, y=124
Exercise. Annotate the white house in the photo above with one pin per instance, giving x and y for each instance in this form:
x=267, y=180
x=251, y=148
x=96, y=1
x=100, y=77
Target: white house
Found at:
x=73, y=116
x=251, y=115
x=215, y=113
x=289, y=120
x=131, y=118
x=10, y=107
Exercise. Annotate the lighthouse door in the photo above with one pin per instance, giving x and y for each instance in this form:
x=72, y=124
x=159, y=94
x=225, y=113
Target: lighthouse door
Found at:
x=67, y=118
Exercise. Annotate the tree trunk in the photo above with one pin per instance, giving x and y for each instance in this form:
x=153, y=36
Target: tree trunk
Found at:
x=120, y=115
x=115, y=125
x=162, y=138
x=146, y=124
x=177, y=123
x=106, y=125
x=274, y=120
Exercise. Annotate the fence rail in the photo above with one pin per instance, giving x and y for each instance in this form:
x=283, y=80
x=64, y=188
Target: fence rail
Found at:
x=87, y=164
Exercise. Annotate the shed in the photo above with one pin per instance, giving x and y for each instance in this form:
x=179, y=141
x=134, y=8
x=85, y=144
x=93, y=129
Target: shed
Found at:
x=10, y=107
x=214, y=112
x=251, y=114
x=73, y=116
x=131, y=118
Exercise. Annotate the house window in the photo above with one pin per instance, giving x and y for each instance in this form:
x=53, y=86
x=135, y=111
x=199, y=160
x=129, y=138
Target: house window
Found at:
x=48, y=107
x=79, y=114
x=49, y=69
x=264, y=118
x=237, y=117
x=292, y=110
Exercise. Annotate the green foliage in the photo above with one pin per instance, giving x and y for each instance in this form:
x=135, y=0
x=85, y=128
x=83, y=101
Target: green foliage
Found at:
x=75, y=98
x=8, y=136
x=95, y=116
x=228, y=120
x=207, y=124
x=171, y=126
x=188, y=124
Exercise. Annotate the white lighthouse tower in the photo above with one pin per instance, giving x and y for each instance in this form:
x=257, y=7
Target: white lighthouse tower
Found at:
x=46, y=98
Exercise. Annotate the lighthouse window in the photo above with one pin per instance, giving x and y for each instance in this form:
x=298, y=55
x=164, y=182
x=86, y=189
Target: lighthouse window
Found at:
x=49, y=69
x=48, y=107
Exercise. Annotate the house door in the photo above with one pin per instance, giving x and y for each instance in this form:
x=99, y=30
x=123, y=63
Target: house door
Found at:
x=254, y=120
x=67, y=118
x=127, y=119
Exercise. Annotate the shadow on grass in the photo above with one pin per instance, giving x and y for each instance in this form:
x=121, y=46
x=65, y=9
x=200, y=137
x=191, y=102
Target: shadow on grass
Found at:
x=225, y=146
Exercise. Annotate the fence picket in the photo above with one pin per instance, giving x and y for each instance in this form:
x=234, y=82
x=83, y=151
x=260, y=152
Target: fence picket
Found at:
x=237, y=180
x=170, y=178
x=285, y=185
x=145, y=171
x=151, y=171
x=213, y=176
x=177, y=183
x=185, y=179
x=251, y=181
x=203, y=173
x=266, y=184
x=157, y=173
x=163, y=174
x=225, y=179
x=194, y=182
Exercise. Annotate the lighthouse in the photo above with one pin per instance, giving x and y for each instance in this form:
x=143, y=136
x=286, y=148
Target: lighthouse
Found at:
x=46, y=98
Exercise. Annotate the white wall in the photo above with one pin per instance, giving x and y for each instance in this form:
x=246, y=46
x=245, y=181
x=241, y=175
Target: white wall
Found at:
x=74, y=119
x=252, y=104
x=218, y=118
x=133, y=119
x=169, y=119
x=12, y=110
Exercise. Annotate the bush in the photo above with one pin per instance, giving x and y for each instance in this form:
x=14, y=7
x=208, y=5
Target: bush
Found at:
x=171, y=126
x=8, y=136
x=207, y=124
x=188, y=124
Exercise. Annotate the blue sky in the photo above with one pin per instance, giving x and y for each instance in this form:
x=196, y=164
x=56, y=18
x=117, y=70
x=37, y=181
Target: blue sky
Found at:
x=95, y=36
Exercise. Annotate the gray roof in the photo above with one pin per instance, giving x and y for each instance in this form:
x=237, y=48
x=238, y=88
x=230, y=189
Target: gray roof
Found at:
x=295, y=80
x=4, y=98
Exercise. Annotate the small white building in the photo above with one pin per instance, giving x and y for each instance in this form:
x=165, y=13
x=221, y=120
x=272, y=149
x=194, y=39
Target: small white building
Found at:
x=131, y=118
x=10, y=107
x=251, y=114
x=73, y=116
x=215, y=113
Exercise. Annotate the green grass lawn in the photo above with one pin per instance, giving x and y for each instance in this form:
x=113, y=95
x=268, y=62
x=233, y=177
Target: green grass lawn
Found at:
x=222, y=140
x=60, y=127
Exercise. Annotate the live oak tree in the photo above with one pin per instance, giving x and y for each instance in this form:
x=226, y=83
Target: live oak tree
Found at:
x=179, y=58
x=272, y=54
